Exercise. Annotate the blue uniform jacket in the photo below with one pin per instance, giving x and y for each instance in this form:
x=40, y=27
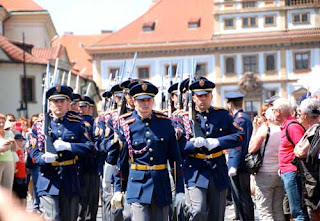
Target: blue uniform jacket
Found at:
x=215, y=123
x=52, y=178
x=237, y=155
x=157, y=136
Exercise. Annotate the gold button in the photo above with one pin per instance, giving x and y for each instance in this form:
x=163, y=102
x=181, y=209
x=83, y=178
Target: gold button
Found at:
x=59, y=138
x=207, y=125
x=72, y=137
x=151, y=158
x=190, y=166
x=220, y=129
x=59, y=131
x=131, y=178
x=147, y=124
x=205, y=117
x=148, y=140
x=162, y=139
x=207, y=132
x=150, y=149
x=60, y=154
x=58, y=124
x=147, y=132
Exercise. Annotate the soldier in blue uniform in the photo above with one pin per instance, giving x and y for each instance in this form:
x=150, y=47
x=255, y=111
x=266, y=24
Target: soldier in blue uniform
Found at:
x=89, y=199
x=205, y=169
x=59, y=181
x=239, y=176
x=147, y=140
x=74, y=106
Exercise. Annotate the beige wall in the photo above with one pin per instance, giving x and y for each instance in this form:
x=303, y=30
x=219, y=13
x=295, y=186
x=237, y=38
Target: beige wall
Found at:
x=36, y=28
x=10, y=95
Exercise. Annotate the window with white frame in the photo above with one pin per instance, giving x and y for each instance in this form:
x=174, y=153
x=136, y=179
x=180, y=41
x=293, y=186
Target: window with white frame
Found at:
x=249, y=22
x=201, y=69
x=143, y=72
x=250, y=63
x=302, y=61
x=301, y=18
x=173, y=70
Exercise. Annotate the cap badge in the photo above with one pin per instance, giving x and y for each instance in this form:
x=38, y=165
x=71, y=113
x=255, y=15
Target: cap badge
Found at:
x=144, y=87
x=201, y=83
x=58, y=89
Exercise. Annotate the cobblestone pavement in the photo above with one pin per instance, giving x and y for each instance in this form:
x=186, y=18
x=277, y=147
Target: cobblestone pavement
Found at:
x=229, y=215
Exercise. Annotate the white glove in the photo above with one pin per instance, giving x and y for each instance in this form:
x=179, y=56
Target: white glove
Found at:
x=49, y=157
x=198, y=141
x=61, y=145
x=107, y=174
x=232, y=171
x=212, y=143
x=179, y=197
x=116, y=201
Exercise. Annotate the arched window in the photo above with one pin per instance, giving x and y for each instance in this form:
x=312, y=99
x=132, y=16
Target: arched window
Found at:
x=230, y=66
x=270, y=63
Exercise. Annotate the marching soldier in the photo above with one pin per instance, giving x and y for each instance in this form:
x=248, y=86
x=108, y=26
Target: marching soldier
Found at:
x=59, y=181
x=148, y=140
x=239, y=176
x=89, y=198
x=205, y=169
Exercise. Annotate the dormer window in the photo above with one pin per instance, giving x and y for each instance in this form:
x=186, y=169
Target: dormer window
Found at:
x=194, y=23
x=148, y=26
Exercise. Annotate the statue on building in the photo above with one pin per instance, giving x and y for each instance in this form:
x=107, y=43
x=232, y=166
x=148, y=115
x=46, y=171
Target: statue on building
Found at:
x=250, y=84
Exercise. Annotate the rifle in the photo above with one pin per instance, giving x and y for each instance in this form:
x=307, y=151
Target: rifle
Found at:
x=162, y=104
x=104, y=101
x=55, y=73
x=196, y=128
x=88, y=90
x=48, y=144
x=63, y=78
x=69, y=78
x=123, y=101
x=179, y=84
x=168, y=99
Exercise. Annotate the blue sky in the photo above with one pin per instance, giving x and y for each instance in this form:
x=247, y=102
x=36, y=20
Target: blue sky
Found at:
x=92, y=16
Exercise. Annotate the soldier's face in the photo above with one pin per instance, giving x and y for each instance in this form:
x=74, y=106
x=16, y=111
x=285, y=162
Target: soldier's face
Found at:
x=174, y=98
x=84, y=109
x=202, y=102
x=59, y=107
x=74, y=107
x=129, y=99
x=144, y=106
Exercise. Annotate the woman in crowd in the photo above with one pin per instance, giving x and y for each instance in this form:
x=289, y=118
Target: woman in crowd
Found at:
x=308, y=116
x=7, y=145
x=269, y=188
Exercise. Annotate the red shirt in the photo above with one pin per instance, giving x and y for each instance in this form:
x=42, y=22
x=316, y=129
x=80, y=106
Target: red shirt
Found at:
x=20, y=166
x=286, y=154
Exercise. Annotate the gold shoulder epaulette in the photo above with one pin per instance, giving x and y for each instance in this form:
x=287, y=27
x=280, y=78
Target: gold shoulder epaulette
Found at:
x=73, y=120
x=218, y=108
x=86, y=123
x=161, y=116
x=126, y=115
x=70, y=115
x=129, y=121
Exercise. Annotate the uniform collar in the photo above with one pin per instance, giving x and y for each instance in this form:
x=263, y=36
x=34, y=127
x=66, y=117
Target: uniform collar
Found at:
x=143, y=118
x=239, y=111
x=57, y=119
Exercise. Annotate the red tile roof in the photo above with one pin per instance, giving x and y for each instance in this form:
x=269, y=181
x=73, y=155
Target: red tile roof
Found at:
x=171, y=24
x=75, y=47
x=20, y=5
x=16, y=54
x=48, y=53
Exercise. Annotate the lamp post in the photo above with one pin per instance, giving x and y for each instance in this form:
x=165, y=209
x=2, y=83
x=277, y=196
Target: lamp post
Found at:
x=21, y=110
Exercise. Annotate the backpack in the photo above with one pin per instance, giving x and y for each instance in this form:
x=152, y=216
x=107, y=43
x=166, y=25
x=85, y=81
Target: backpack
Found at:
x=253, y=161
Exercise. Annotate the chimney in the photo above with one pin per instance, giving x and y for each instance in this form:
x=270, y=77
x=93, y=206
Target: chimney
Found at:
x=106, y=31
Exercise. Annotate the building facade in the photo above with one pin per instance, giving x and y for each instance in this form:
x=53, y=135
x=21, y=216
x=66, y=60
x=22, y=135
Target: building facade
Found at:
x=258, y=47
